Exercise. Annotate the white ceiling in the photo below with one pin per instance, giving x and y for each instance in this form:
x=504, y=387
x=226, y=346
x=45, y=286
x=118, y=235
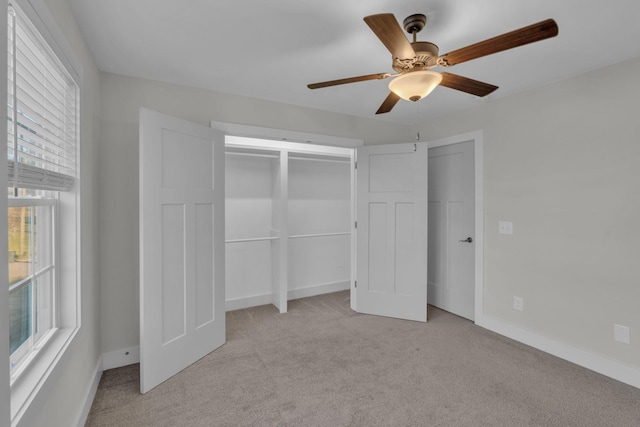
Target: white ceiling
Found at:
x=273, y=49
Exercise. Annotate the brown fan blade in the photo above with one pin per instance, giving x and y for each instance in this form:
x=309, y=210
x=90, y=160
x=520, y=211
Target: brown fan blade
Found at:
x=390, y=101
x=533, y=33
x=386, y=27
x=378, y=76
x=465, y=84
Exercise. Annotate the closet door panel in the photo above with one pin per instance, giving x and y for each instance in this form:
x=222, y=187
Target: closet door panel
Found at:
x=182, y=256
x=392, y=231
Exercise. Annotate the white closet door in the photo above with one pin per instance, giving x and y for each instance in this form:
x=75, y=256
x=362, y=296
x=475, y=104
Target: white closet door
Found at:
x=391, y=270
x=182, y=294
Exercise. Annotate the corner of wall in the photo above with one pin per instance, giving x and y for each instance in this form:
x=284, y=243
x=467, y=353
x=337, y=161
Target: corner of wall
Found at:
x=122, y=357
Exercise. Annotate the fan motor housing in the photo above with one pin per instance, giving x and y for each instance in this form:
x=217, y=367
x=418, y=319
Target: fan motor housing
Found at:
x=414, y=23
x=426, y=57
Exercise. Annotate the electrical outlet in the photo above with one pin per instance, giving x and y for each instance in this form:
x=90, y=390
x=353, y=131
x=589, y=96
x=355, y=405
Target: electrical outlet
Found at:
x=518, y=303
x=621, y=334
x=505, y=227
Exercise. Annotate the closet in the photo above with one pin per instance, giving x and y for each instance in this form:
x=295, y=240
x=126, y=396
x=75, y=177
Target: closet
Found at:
x=289, y=221
x=287, y=229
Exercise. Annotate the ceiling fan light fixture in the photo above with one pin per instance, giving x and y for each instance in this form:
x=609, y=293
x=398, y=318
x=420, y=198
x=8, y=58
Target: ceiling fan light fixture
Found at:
x=415, y=85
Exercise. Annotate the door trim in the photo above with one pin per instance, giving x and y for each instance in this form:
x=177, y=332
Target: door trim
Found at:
x=257, y=132
x=477, y=138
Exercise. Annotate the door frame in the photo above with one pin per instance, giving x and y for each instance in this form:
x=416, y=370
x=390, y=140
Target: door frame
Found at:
x=477, y=138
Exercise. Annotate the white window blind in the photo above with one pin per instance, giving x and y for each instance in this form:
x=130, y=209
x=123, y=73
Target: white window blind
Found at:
x=42, y=128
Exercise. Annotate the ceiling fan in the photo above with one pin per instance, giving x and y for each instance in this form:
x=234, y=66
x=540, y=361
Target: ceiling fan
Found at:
x=413, y=61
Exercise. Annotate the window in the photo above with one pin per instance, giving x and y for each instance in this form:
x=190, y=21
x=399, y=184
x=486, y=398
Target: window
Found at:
x=32, y=274
x=42, y=145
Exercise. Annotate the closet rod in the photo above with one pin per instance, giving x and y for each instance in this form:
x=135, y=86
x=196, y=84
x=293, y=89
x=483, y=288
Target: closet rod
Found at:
x=304, y=236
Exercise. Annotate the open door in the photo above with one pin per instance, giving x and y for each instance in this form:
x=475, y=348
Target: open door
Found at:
x=452, y=238
x=391, y=234
x=182, y=293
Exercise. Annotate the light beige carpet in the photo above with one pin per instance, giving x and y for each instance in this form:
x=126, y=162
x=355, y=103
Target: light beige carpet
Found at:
x=320, y=364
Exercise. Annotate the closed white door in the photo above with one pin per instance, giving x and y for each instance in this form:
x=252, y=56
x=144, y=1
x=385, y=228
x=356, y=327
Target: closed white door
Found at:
x=391, y=234
x=182, y=293
x=451, y=229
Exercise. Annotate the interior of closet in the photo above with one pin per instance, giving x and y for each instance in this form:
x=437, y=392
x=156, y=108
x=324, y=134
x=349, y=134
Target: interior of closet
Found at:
x=289, y=221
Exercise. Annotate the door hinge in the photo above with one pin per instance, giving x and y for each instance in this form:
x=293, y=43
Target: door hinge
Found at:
x=355, y=283
x=355, y=224
x=355, y=165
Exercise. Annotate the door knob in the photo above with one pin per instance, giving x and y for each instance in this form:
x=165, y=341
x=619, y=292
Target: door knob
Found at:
x=467, y=240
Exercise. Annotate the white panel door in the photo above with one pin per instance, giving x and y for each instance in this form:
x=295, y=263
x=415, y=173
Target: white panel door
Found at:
x=391, y=270
x=182, y=292
x=451, y=229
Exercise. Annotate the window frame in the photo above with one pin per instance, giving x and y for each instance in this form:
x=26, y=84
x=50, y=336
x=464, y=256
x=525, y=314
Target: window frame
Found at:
x=30, y=389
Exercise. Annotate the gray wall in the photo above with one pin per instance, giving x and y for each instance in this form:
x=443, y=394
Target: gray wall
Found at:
x=563, y=163
x=560, y=162
x=122, y=98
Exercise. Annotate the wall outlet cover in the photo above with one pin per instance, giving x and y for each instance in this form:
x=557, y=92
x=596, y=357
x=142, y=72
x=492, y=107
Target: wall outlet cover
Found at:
x=518, y=303
x=505, y=227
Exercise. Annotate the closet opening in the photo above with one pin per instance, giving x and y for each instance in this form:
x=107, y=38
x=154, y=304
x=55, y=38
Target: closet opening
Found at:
x=289, y=221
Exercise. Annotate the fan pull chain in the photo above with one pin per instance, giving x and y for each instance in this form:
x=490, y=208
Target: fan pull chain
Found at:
x=417, y=120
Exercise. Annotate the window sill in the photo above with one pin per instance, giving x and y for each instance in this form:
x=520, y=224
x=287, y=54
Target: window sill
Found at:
x=40, y=374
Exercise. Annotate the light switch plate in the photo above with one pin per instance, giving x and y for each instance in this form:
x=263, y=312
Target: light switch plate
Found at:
x=621, y=334
x=505, y=227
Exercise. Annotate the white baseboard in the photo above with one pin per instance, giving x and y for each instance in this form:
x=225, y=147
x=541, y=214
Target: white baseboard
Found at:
x=91, y=394
x=256, y=300
x=119, y=358
x=610, y=368
x=312, y=291
x=246, y=302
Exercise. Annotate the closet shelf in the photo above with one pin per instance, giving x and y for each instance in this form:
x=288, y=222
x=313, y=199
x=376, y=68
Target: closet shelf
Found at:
x=304, y=236
x=251, y=239
x=263, y=154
